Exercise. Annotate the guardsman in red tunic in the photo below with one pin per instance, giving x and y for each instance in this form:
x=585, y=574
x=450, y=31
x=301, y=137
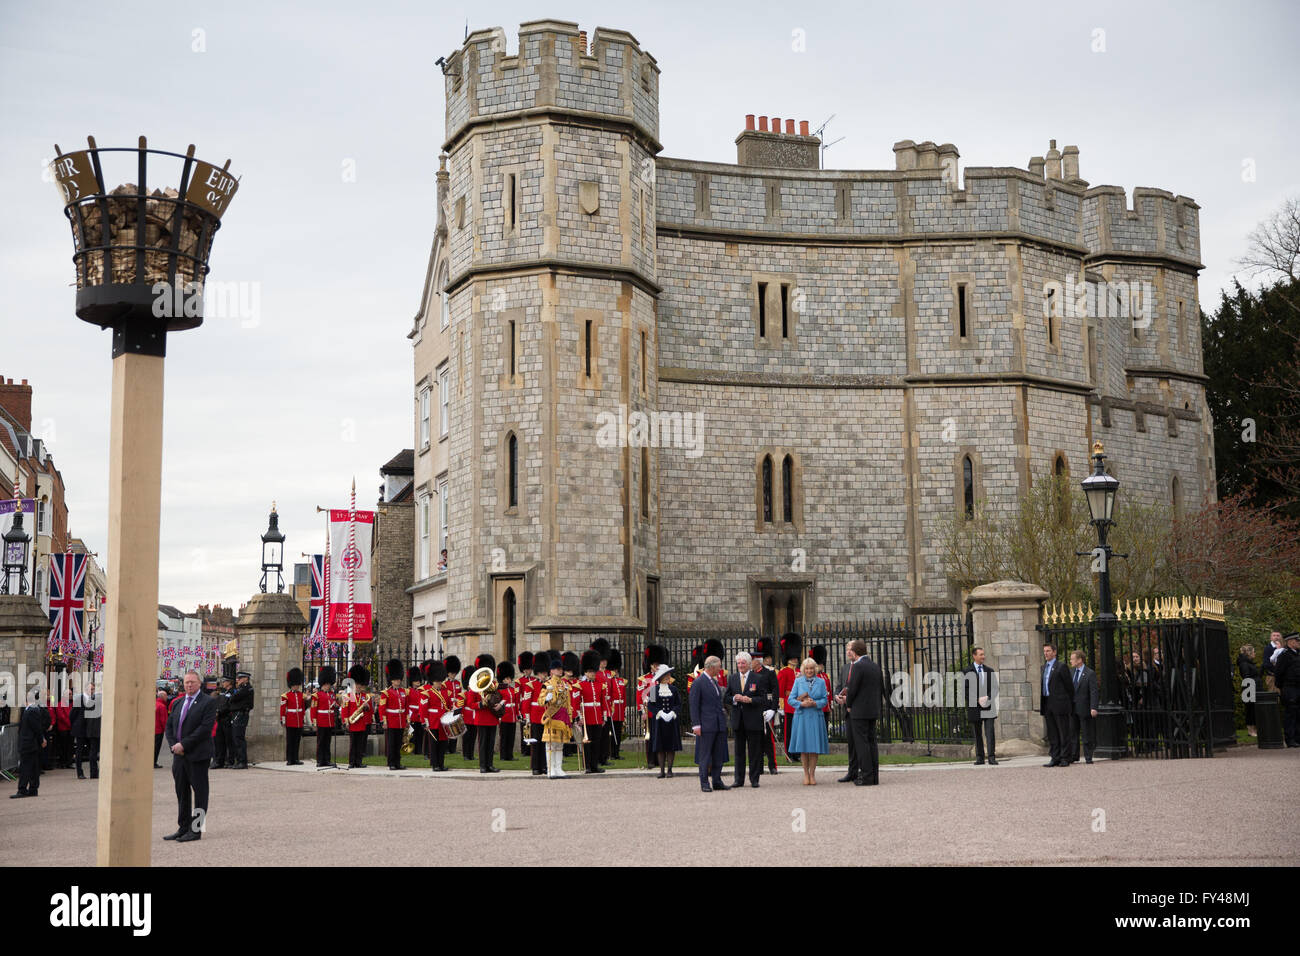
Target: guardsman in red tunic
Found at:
x=455, y=692
x=470, y=736
x=602, y=648
x=533, y=709
x=321, y=713
x=355, y=709
x=617, y=701
x=510, y=716
x=792, y=655
x=415, y=691
x=484, y=713
x=524, y=694
x=292, y=713
x=592, y=701
x=392, y=713
x=437, y=702
x=818, y=655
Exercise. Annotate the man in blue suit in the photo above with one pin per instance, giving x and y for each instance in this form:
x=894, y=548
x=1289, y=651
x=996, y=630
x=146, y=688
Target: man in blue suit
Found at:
x=189, y=734
x=710, y=726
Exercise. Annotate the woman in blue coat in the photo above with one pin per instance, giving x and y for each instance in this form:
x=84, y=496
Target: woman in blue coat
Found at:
x=663, y=711
x=808, y=729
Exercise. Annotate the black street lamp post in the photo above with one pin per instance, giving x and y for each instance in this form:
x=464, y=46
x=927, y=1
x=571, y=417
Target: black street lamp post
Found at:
x=273, y=552
x=1100, y=489
x=15, y=554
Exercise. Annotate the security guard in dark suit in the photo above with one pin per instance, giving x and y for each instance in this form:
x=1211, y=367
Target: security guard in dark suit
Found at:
x=222, y=753
x=241, y=706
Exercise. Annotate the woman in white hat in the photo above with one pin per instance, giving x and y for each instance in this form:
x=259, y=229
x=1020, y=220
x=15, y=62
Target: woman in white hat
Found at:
x=663, y=710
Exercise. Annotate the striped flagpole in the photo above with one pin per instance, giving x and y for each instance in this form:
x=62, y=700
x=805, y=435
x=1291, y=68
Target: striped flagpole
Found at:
x=352, y=571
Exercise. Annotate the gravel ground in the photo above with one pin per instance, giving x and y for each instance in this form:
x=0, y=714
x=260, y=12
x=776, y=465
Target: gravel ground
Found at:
x=1156, y=812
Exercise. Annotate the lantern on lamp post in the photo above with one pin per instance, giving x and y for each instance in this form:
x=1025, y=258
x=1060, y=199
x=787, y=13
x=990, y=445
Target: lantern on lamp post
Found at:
x=16, y=541
x=273, y=552
x=141, y=258
x=1100, y=489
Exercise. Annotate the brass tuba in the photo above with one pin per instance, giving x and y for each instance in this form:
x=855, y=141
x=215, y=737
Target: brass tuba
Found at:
x=484, y=683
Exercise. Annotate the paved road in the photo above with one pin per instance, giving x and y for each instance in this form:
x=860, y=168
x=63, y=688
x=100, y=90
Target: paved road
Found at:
x=1186, y=812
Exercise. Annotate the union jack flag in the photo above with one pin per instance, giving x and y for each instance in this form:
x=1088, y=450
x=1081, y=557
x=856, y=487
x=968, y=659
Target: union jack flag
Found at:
x=316, y=609
x=67, y=601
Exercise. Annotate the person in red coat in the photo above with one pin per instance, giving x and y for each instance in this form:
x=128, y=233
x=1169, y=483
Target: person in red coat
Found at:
x=592, y=703
x=509, y=716
x=439, y=700
x=617, y=701
x=292, y=714
x=417, y=689
x=792, y=655
x=355, y=710
x=320, y=711
x=485, y=716
x=392, y=713
x=532, y=708
x=159, y=725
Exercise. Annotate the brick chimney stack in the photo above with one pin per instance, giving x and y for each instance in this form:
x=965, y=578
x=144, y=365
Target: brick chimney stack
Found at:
x=772, y=146
x=16, y=399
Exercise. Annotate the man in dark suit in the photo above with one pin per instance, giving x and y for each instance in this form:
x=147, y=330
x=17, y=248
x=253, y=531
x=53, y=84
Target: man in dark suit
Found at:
x=32, y=726
x=1083, y=713
x=841, y=696
x=710, y=726
x=979, y=686
x=745, y=700
x=86, y=716
x=1287, y=675
x=1056, y=705
x=769, y=695
x=189, y=734
x=862, y=696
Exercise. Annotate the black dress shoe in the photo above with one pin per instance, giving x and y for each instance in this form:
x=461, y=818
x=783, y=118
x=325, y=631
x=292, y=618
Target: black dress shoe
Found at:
x=498, y=770
x=81, y=776
x=992, y=762
x=754, y=784
x=1051, y=764
x=719, y=785
x=240, y=766
x=189, y=836
x=860, y=782
x=1087, y=760
x=670, y=771
x=661, y=773
x=704, y=787
x=536, y=773
x=847, y=778
x=94, y=776
x=177, y=835
x=20, y=794
x=157, y=766
x=979, y=763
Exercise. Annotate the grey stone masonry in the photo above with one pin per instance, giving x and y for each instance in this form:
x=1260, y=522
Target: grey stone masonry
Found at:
x=1006, y=616
x=270, y=629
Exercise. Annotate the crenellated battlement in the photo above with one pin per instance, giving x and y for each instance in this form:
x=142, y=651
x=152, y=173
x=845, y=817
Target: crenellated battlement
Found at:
x=554, y=69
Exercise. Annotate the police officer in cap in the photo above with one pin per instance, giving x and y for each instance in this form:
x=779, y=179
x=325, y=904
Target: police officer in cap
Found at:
x=241, y=706
x=223, y=749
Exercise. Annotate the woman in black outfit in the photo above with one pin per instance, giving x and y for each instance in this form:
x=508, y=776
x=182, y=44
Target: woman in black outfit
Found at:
x=665, y=732
x=1249, y=672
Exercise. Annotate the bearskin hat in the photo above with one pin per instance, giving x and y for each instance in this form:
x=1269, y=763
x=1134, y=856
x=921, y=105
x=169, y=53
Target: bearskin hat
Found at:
x=327, y=675
x=615, y=659
x=294, y=677
x=525, y=661
x=570, y=661
x=590, y=661
x=414, y=675
x=791, y=647
x=505, y=670
x=485, y=660
x=601, y=646
x=818, y=654
x=464, y=674
x=766, y=648
x=713, y=648
x=393, y=669
x=424, y=668
x=436, y=672
x=359, y=674
x=697, y=656
x=655, y=654
x=452, y=663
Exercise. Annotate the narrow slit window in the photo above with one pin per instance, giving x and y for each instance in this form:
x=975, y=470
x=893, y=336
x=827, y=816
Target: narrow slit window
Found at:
x=588, y=348
x=644, y=377
x=968, y=487
x=787, y=489
x=645, y=482
x=961, y=311
x=1050, y=307
x=785, y=311
x=512, y=348
x=510, y=190
x=767, y=488
x=512, y=478
x=762, y=310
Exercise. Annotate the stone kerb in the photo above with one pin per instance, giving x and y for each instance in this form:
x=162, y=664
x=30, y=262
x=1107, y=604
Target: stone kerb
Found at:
x=1005, y=617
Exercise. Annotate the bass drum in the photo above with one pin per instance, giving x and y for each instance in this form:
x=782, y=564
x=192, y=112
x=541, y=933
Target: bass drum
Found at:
x=453, y=725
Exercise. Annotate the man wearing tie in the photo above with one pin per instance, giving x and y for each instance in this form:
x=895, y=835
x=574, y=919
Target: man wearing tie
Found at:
x=189, y=734
x=978, y=684
x=862, y=694
x=710, y=727
x=1083, y=715
x=1056, y=705
x=747, y=703
x=31, y=740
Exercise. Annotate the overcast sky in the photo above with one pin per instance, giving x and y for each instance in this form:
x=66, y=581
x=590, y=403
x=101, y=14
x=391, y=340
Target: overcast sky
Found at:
x=319, y=388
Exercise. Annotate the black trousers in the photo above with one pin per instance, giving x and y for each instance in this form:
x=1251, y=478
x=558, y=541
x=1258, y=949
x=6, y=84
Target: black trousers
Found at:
x=710, y=753
x=420, y=740
x=191, y=778
x=854, y=767
x=88, y=749
x=467, y=741
x=64, y=739
x=157, y=747
x=323, y=756
x=508, y=741
x=537, y=751
x=438, y=752
x=785, y=732
x=221, y=755
x=29, y=771
x=292, y=742
x=356, y=747
x=592, y=748
x=616, y=740
x=1085, y=727
x=984, y=731
x=393, y=747
x=1058, y=737
x=749, y=751
x=238, y=732
x=868, y=754
x=487, y=740
x=1290, y=715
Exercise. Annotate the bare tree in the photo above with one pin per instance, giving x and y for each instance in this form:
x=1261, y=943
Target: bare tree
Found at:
x=1274, y=245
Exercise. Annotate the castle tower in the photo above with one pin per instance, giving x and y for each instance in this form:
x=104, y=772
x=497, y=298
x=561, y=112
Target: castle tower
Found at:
x=552, y=298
